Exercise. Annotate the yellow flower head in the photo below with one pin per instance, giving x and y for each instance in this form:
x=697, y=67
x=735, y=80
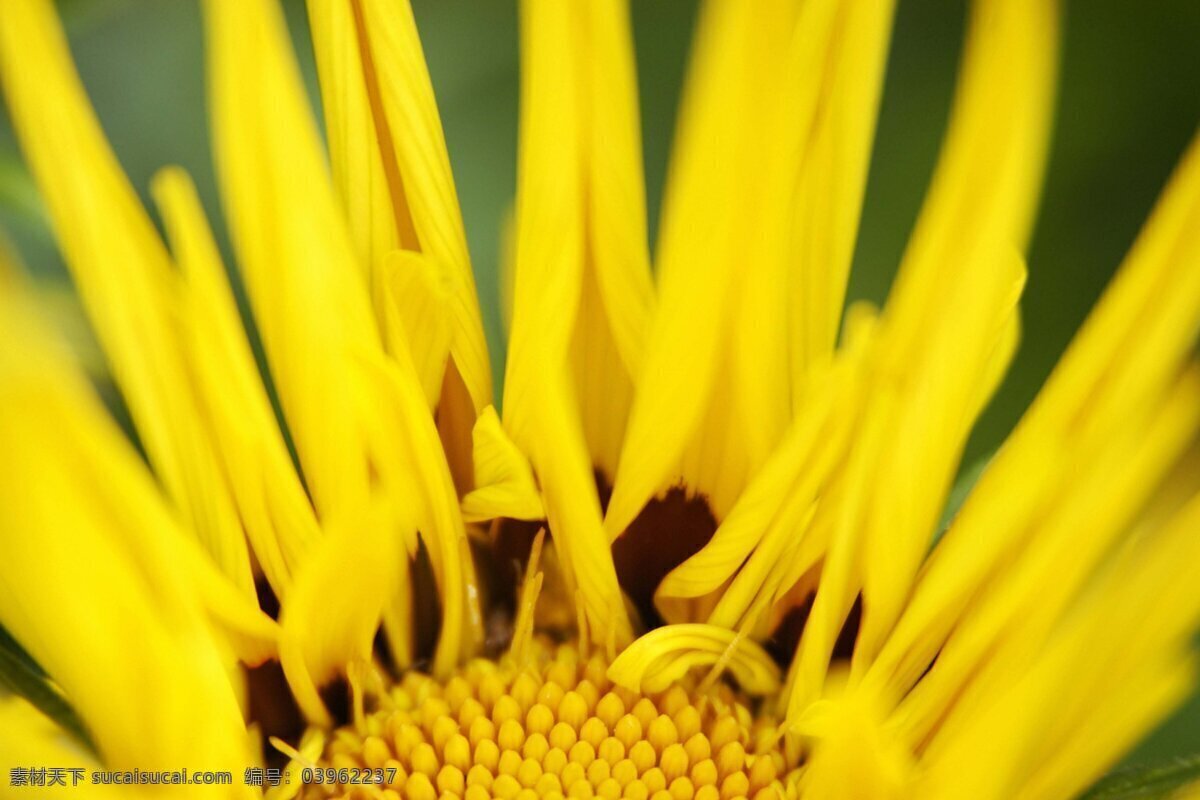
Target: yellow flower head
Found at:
x=691, y=557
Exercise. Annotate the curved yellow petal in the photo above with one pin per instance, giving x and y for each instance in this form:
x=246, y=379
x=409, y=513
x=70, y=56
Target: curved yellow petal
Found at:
x=122, y=271
x=788, y=483
x=503, y=477
x=933, y=394
x=406, y=450
x=329, y=620
x=664, y=655
x=841, y=573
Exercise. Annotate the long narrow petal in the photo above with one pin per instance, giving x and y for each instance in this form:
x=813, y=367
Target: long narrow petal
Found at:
x=419, y=484
x=1117, y=664
x=581, y=287
x=361, y=157
x=1121, y=367
x=392, y=176
x=1024, y=604
x=360, y=418
x=587, y=112
x=389, y=157
x=764, y=193
x=277, y=515
x=309, y=299
x=618, y=297
x=948, y=324
x=121, y=268
x=832, y=179
x=933, y=397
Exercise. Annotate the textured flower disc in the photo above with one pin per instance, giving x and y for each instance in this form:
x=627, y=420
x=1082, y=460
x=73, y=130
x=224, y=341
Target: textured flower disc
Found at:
x=556, y=727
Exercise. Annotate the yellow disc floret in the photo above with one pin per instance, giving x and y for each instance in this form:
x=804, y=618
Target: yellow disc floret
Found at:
x=553, y=726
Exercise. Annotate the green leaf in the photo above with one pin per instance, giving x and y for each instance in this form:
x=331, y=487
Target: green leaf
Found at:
x=22, y=676
x=1147, y=781
x=9, y=645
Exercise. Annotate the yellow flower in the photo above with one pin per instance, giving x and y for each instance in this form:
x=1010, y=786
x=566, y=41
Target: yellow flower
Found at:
x=734, y=593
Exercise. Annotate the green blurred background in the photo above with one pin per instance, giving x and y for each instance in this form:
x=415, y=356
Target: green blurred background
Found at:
x=1129, y=102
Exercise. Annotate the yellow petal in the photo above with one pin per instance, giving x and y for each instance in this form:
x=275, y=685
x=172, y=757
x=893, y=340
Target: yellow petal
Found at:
x=985, y=189
x=274, y=510
x=581, y=290
x=359, y=418
x=85, y=531
x=948, y=322
x=361, y=156
x=841, y=574
x=934, y=393
x=700, y=229
x=664, y=655
x=572, y=506
x=406, y=450
x=389, y=158
x=618, y=296
x=773, y=87
x=1120, y=368
x=781, y=525
x=781, y=493
x=121, y=269
x=503, y=477
x=850, y=739
x=831, y=179
x=308, y=295
x=616, y=193
x=1027, y=601
x=330, y=618
x=31, y=740
x=1118, y=663
x=581, y=161
x=417, y=302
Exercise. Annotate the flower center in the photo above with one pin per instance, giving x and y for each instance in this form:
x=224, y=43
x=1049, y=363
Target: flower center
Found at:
x=554, y=726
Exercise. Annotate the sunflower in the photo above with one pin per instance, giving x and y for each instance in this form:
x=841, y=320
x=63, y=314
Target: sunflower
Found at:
x=699, y=553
